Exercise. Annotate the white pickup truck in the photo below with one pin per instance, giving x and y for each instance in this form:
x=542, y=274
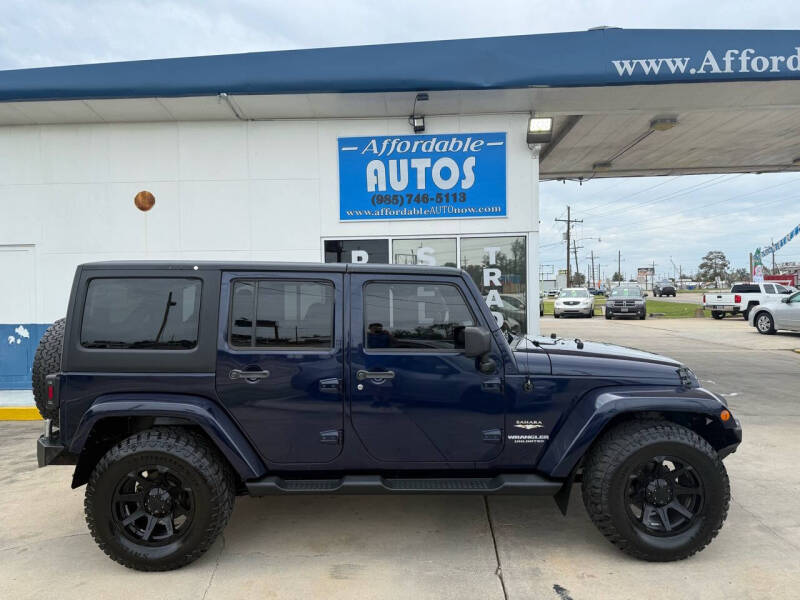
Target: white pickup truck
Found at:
x=742, y=298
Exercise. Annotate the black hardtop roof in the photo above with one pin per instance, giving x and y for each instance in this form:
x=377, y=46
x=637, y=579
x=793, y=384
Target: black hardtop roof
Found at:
x=183, y=265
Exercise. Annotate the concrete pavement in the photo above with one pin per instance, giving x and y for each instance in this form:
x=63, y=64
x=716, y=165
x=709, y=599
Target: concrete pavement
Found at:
x=451, y=547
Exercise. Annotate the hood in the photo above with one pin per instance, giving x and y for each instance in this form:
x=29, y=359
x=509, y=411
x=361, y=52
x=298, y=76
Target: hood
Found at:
x=577, y=357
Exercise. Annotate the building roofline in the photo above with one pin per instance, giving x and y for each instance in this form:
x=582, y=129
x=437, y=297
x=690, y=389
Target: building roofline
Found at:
x=571, y=59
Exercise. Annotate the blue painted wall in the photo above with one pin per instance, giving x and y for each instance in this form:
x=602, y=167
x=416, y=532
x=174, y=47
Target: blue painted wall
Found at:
x=18, y=342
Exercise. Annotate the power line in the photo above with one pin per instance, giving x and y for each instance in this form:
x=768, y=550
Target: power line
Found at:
x=671, y=195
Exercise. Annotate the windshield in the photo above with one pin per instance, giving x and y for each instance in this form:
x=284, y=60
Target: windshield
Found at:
x=515, y=302
x=574, y=294
x=626, y=292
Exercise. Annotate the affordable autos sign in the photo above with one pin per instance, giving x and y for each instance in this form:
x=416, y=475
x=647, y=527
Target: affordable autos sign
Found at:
x=730, y=61
x=450, y=176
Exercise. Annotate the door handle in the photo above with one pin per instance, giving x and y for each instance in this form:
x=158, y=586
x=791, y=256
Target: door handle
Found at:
x=248, y=376
x=361, y=374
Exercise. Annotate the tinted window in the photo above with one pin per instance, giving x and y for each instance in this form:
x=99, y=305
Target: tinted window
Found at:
x=141, y=313
x=287, y=313
x=357, y=251
x=415, y=316
x=780, y=289
x=769, y=288
x=745, y=288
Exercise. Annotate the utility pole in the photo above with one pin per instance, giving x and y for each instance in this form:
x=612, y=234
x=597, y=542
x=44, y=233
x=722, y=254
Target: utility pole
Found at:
x=653, y=282
x=593, y=279
x=569, y=221
x=619, y=263
x=772, y=245
x=575, y=249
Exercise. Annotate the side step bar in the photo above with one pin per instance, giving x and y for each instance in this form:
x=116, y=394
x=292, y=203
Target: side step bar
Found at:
x=375, y=484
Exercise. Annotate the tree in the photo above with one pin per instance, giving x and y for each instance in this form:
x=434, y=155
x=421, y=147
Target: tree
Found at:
x=617, y=277
x=577, y=279
x=714, y=266
x=740, y=274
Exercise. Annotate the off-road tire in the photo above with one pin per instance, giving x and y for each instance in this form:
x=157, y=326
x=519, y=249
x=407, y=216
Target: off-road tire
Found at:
x=197, y=460
x=47, y=360
x=718, y=314
x=605, y=477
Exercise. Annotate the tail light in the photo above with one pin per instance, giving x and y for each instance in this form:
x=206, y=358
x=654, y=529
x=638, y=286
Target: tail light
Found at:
x=737, y=298
x=704, y=298
x=51, y=384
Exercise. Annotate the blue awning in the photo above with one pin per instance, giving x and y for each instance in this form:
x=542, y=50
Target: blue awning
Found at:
x=591, y=58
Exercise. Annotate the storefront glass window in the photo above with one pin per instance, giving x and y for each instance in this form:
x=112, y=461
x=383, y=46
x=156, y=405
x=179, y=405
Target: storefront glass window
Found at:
x=425, y=251
x=497, y=265
x=357, y=251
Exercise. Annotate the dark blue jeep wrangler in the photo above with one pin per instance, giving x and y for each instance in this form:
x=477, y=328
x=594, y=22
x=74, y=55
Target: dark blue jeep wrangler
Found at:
x=173, y=387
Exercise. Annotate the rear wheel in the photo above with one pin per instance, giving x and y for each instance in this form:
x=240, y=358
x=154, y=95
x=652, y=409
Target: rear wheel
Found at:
x=765, y=323
x=47, y=360
x=656, y=490
x=157, y=500
x=717, y=314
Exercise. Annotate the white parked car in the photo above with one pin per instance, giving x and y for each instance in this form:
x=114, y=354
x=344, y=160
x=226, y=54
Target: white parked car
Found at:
x=574, y=301
x=769, y=318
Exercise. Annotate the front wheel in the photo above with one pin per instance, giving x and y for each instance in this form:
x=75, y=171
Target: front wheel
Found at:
x=765, y=323
x=656, y=490
x=157, y=500
x=608, y=315
x=556, y=315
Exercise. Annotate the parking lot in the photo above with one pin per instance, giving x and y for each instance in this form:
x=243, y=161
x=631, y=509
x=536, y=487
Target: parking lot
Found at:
x=453, y=547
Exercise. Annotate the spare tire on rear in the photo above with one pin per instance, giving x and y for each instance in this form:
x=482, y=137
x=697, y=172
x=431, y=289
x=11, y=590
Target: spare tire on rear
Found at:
x=46, y=361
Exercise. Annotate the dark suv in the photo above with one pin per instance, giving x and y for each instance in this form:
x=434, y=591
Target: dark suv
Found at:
x=174, y=387
x=626, y=301
x=664, y=288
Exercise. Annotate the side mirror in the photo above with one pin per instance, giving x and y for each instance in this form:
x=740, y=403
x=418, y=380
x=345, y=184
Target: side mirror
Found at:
x=785, y=300
x=477, y=341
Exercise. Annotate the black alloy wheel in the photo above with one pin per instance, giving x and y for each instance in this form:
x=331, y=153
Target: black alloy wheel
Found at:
x=664, y=496
x=153, y=506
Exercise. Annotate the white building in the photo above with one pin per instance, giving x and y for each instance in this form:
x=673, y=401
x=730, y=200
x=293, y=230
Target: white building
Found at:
x=280, y=156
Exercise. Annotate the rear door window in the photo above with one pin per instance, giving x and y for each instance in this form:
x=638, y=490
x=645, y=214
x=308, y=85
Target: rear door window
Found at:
x=140, y=313
x=279, y=314
x=769, y=288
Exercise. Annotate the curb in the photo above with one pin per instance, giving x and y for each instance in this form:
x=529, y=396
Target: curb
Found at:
x=19, y=413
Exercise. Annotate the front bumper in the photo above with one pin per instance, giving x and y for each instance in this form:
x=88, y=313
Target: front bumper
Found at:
x=572, y=310
x=734, y=434
x=626, y=310
x=49, y=450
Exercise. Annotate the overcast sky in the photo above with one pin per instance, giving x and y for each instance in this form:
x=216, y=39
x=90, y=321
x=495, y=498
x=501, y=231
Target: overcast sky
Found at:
x=649, y=219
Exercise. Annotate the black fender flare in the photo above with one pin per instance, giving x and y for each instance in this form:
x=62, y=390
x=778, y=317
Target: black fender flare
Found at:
x=197, y=410
x=592, y=413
